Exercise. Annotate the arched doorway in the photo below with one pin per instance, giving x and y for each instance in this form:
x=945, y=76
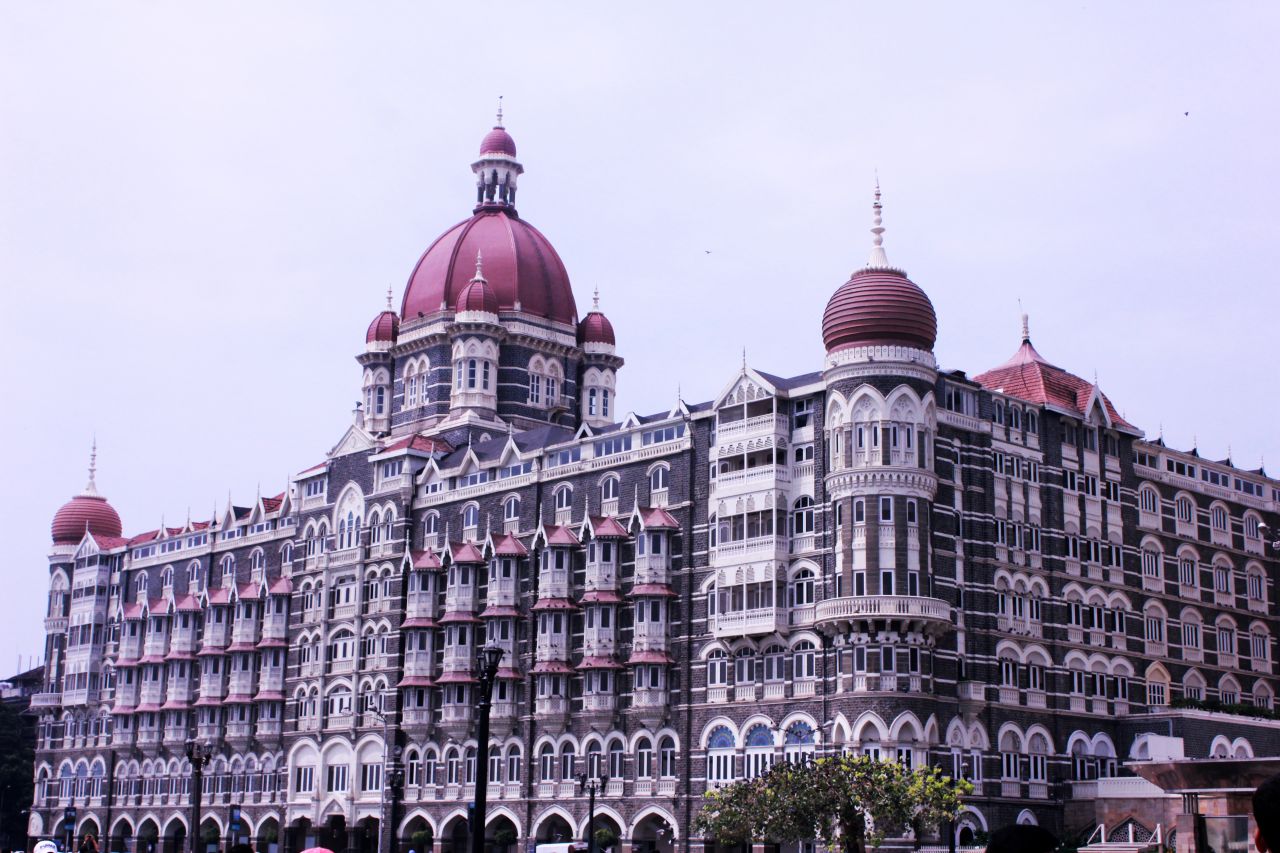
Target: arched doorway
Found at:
x=210, y=836
x=417, y=836
x=555, y=828
x=302, y=835
x=175, y=836
x=608, y=833
x=367, y=835
x=652, y=835
x=268, y=837
x=121, y=840
x=500, y=835
x=334, y=833
x=456, y=836
x=148, y=837
x=89, y=827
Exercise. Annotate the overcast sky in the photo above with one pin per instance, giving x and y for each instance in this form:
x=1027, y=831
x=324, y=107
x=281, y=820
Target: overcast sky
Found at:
x=202, y=206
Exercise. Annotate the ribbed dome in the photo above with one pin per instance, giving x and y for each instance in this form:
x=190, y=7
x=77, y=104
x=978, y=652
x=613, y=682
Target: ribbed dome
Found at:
x=498, y=141
x=522, y=267
x=595, y=328
x=81, y=512
x=879, y=307
x=478, y=296
x=384, y=329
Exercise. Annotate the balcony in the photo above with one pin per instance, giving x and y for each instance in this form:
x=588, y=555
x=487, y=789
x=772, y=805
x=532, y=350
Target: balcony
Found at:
x=455, y=714
x=551, y=706
x=751, y=479
x=744, y=550
x=598, y=641
x=742, y=623
x=551, y=647
x=1117, y=787
x=553, y=583
x=416, y=716
x=268, y=729
x=458, y=597
x=341, y=612
x=914, y=613
x=601, y=576
x=973, y=696
x=501, y=591
x=46, y=700
x=275, y=627
x=769, y=424
x=245, y=631
x=419, y=663
x=649, y=637
x=599, y=703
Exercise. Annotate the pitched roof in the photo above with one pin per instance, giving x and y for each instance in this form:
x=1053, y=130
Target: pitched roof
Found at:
x=607, y=527
x=658, y=518
x=420, y=443
x=1028, y=376
x=510, y=546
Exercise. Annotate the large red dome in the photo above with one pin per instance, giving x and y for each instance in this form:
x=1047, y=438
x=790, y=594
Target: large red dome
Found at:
x=879, y=306
x=81, y=512
x=520, y=264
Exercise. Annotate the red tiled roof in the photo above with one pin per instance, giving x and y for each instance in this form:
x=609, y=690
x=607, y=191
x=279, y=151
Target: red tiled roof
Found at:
x=250, y=591
x=607, y=527
x=601, y=596
x=599, y=662
x=553, y=604
x=239, y=699
x=1028, y=376
x=188, y=603
x=273, y=504
x=494, y=611
x=282, y=586
x=273, y=643
x=465, y=552
x=218, y=595
x=419, y=622
x=420, y=443
x=457, y=616
x=653, y=589
x=148, y=707
x=152, y=659
x=207, y=702
x=658, y=518
x=417, y=681
x=313, y=469
x=241, y=647
x=560, y=535
x=508, y=673
x=426, y=560
x=176, y=705
x=269, y=696
x=456, y=678
x=649, y=657
x=510, y=546
x=133, y=611
x=179, y=656
x=557, y=667
x=108, y=543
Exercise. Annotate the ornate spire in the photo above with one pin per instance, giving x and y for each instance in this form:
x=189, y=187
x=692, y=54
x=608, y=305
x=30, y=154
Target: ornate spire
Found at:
x=499, y=111
x=1026, y=330
x=479, y=276
x=91, y=488
x=595, y=299
x=878, y=258
x=388, y=297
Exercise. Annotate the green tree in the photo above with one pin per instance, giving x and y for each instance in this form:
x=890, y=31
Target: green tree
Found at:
x=17, y=773
x=846, y=801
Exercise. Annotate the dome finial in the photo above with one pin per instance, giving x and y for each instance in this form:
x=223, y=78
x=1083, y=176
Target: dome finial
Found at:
x=595, y=299
x=92, y=487
x=499, y=111
x=388, y=297
x=878, y=258
x=479, y=274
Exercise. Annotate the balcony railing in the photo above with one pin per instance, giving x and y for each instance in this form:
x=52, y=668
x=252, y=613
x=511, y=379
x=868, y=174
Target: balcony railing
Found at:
x=919, y=612
x=761, y=620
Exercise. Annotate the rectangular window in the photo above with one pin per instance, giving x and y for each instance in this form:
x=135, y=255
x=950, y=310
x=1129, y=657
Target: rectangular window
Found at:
x=886, y=509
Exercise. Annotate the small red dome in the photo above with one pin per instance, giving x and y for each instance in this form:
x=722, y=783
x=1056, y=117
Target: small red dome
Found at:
x=477, y=295
x=384, y=329
x=879, y=307
x=595, y=328
x=81, y=512
x=498, y=141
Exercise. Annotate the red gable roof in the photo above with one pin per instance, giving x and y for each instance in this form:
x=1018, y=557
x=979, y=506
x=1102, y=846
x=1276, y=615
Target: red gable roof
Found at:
x=465, y=552
x=1029, y=377
x=607, y=527
x=108, y=543
x=560, y=536
x=426, y=560
x=658, y=518
x=421, y=443
x=510, y=546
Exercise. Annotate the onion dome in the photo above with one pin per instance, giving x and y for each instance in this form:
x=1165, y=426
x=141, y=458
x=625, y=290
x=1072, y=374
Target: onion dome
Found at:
x=86, y=511
x=477, y=295
x=879, y=305
x=524, y=272
x=385, y=327
x=498, y=141
x=595, y=328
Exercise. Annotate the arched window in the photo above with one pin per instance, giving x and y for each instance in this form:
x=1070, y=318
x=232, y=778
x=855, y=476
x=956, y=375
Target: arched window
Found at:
x=720, y=749
x=166, y=577
x=802, y=588
x=803, y=658
x=799, y=741
x=564, y=497
x=1185, y=509
x=228, y=569
x=617, y=760
x=547, y=763
x=659, y=478
x=471, y=516
x=567, y=761
x=667, y=757
x=1149, y=499
x=759, y=754
x=1219, y=519
x=609, y=489
x=644, y=758
x=511, y=508
x=802, y=516
x=717, y=668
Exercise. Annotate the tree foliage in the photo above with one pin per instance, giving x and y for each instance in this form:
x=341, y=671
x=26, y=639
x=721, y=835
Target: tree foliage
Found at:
x=843, y=800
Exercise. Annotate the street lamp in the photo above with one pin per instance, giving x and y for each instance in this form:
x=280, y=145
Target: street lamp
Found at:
x=389, y=775
x=591, y=784
x=490, y=657
x=198, y=754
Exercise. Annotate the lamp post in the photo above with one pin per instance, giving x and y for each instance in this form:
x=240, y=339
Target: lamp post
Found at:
x=198, y=754
x=591, y=784
x=387, y=775
x=490, y=657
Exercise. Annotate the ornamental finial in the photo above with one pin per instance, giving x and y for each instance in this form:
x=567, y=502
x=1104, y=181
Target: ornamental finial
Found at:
x=479, y=274
x=1026, y=330
x=92, y=487
x=388, y=297
x=878, y=258
x=499, y=111
x=595, y=299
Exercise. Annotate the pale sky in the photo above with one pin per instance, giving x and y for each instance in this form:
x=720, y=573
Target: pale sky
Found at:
x=203, y=204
